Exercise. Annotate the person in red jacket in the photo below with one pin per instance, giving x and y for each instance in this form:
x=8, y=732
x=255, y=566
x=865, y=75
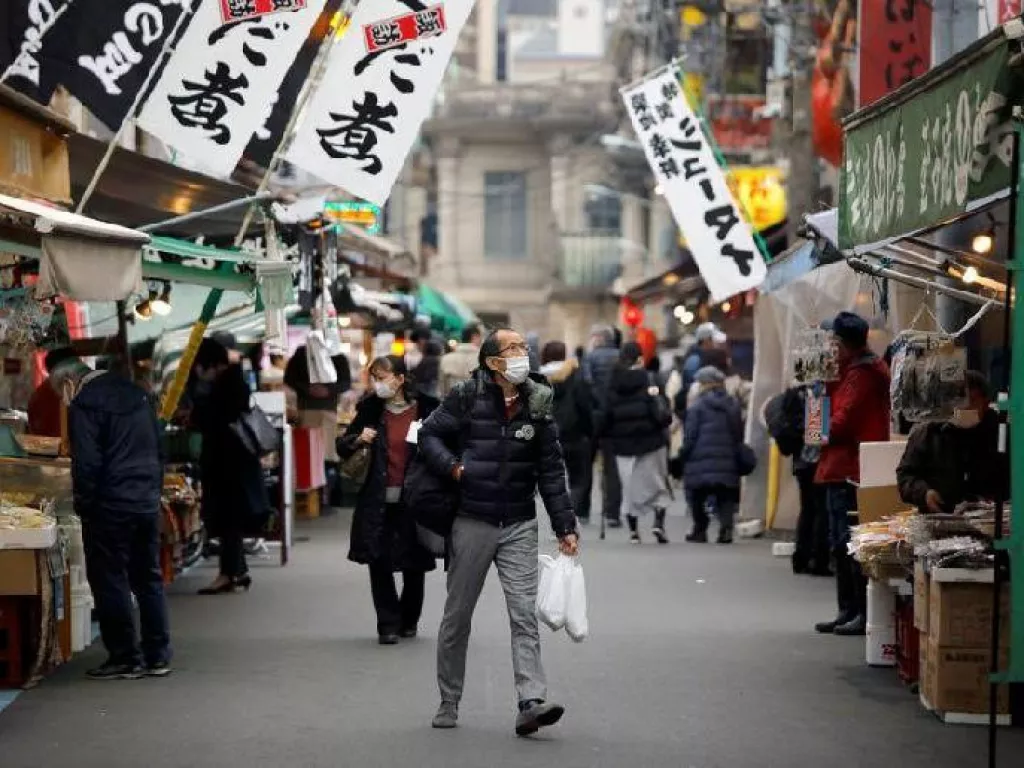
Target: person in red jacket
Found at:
x=859, y=412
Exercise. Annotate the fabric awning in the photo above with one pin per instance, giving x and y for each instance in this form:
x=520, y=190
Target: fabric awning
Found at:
x=447, y=314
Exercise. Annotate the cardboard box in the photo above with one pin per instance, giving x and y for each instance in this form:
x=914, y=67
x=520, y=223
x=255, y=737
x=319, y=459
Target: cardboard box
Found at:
x=926, y=679
x=957, y=680
x=960, y=614
x=878, y=462
x=18, y=576
x=921, y=591
x=874, y=504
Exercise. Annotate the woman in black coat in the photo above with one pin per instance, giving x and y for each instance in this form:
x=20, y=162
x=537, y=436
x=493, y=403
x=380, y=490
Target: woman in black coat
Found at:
x=383, y=528
x=234, y=496
x=712, y=439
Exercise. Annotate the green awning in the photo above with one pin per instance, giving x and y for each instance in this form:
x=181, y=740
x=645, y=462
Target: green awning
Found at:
x=934, y=149
x=447, y=314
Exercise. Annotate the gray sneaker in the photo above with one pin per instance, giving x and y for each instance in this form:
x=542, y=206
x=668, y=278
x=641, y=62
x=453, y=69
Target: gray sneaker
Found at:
x=535, y=715
x=447, y=715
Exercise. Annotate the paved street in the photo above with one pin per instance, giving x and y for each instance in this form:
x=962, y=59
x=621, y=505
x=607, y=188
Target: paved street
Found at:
x=699, y=657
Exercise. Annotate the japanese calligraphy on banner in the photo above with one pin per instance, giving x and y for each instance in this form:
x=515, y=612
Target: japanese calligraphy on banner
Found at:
x=358, y=136
x=100, y=50
x=694, y=186
x=240, y=10
x=923, y=160
x=219, y=85
x=895, y=45
x=1008, y=9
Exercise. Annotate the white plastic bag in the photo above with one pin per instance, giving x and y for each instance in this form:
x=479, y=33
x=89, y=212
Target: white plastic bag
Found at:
x=576, y=624
x=552, y=596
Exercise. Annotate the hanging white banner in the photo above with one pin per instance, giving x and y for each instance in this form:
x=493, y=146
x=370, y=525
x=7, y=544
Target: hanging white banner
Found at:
x=377, y=91
x=221, y=81
x=684, y=165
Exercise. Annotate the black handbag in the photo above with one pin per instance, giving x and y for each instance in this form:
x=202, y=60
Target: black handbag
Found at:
x=256, y=432
x=746, y=460
x=434, y=501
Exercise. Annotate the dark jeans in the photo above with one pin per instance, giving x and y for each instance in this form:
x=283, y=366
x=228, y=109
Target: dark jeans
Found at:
x=812, y=526
x=232, y=553
x=840, y=500
x=122, y=557
x=611, y=484
x=579, y=464
x=395, y=613
x=722, y=500
x=851, y=586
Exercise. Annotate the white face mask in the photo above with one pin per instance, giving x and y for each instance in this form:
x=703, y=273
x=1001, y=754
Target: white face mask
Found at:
x=965, y=419
x=383, y=390
x=517, y=369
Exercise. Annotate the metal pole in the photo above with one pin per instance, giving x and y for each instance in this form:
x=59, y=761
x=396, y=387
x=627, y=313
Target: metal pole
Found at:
x=206, y=212
x=169, y=43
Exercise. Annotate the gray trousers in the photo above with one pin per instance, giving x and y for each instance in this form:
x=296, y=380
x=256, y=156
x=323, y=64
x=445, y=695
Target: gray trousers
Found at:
x=513, y=550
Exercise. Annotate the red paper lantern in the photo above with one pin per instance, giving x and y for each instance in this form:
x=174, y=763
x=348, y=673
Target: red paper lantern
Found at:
x=648, y=343
x=632, y=315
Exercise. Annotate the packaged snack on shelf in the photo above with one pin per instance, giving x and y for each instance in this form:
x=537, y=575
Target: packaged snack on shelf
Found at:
x=929, y=376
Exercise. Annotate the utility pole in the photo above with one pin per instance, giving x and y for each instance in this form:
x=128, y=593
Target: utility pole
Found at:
x=802, y=183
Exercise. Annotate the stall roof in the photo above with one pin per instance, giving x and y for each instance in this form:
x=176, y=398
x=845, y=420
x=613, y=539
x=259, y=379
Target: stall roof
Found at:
x=893, y=182
x=49, y=220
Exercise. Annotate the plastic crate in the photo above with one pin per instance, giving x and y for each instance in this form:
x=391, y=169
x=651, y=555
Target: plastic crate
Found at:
x=908, y=642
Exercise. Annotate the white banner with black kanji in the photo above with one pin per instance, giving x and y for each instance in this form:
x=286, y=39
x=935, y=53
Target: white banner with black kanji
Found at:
x=694, y=185
x=220, y=83
x=379, y=86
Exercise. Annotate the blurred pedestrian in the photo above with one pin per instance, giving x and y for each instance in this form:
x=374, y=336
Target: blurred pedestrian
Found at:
x=735, y=385
x=598, y=366
x=574, y=414
x=635, y=423
x=383, y=529
x=459, y=364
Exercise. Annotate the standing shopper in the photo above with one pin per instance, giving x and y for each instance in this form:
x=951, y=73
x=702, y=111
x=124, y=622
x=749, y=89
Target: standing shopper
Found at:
x=636, y=422
x=117, y=471
x=712, y=440
x=503, y=422
x=574, y=415
x=459, y=364
x=234, y=496
x=860, y=409
x=598, y=367
x=383, y=528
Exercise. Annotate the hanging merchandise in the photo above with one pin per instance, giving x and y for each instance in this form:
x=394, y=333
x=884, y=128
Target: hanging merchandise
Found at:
x=929, y=376
x=24, y=322
x=817, y=407
x=332, y=335
x=815, y=357
x=318, y=358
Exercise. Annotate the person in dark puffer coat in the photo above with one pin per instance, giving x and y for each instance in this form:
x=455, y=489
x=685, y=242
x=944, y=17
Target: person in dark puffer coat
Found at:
x=713, y=436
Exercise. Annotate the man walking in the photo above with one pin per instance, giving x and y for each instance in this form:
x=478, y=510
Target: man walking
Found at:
x=117, y=473
x=502, y=421
x=459, y=364
x=598, y=367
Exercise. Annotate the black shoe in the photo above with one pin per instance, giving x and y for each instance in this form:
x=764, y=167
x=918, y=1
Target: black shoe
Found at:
x=115, y=672
x=698, y=537
x=534, y=715
x=389, y=639
x=634, y=529
x=829, y=627
x=244, y=581
x=408, y=634
x=160, y=669
x=614, y=522
x=659, y=527
x=725, y=537
x=856, y=627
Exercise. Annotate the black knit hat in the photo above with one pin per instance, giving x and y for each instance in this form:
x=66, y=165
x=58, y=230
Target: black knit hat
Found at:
x=850, y=329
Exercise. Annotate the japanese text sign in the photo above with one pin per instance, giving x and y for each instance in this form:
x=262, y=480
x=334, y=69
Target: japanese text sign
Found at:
x=357, y=136
x=694, y=186
x=221, y=82
x=240, y=10
x=923, y=159
x=895, y=45
x=392, y=33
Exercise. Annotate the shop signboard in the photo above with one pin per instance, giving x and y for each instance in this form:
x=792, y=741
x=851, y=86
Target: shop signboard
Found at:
x=897, y=47
x=215, y=91
x=243, y=10
x=694, y=185
x=358, y=137
x=923, y=158
x=33, y=159
x=365, y=215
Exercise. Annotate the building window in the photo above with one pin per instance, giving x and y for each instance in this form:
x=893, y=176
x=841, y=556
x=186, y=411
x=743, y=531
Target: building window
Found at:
x=505, y=224
x=604, y=213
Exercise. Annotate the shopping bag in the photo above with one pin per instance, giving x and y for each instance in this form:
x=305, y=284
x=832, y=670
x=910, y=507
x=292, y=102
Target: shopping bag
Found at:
x=318, y=360
x=576, y=625
x=552, y=598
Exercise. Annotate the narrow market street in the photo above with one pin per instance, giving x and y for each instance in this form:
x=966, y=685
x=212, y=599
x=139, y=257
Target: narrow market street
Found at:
x=699, y=656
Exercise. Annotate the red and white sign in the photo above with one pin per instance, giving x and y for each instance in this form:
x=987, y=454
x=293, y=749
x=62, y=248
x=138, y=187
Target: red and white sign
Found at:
x=1008, y=9
x=240, y=10
x=895, y=41
x=399, y=30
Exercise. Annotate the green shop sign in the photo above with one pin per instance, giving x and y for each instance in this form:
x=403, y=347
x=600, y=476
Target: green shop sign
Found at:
x=916, y=161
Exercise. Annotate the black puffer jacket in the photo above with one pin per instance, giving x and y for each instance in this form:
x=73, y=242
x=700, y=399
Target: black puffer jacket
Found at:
x=115, y=447
x=374, y=535
x=635, y=422
x=506, y=461
x=713, y=436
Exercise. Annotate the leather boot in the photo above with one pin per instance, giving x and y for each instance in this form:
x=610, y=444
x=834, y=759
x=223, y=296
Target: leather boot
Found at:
x=845, y=596
x=659, y=526
x=634, y=529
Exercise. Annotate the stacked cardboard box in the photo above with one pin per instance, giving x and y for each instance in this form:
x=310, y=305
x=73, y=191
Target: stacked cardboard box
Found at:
x=956, y=655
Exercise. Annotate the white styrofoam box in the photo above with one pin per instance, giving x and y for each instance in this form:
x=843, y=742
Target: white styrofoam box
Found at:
x=881, y=604
x=878, y=462
x=880, y=646
x=783, y=549
x=29, y=538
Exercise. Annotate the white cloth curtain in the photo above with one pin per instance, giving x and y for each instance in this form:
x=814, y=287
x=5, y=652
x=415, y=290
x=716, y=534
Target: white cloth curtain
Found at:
x=89, y=270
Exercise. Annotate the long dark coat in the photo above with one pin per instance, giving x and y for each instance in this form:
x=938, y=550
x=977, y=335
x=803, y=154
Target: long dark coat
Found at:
x=379, y=532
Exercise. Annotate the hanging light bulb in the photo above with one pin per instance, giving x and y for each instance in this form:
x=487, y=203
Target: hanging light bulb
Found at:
x=687, y=317
x=679, y=311
x=982, y=242
x=727, y=307
x=970, y=275
x=161, y=304
x=144, y=310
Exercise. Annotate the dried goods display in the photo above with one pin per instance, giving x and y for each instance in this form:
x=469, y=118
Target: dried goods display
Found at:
x=24, y=322
x=815, y=357
x=929, y=376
